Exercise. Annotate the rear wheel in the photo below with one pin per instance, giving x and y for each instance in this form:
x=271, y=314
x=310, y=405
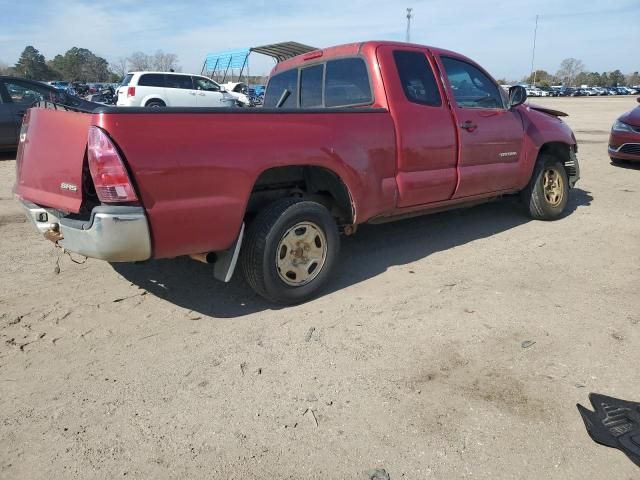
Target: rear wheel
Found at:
x=547, y=194
x=290, y=250
x=155, y=104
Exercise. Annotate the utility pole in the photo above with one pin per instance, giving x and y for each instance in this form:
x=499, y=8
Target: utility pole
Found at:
x=409, y=10
x=533, y=53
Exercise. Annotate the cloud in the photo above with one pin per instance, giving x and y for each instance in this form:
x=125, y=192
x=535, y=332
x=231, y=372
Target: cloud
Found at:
x=498, y=34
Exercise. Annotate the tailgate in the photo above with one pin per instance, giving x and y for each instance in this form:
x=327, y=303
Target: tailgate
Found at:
x=50, y=158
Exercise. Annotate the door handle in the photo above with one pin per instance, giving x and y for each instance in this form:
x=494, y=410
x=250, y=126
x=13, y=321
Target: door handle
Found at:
x=469, y=126
x=21, y=114
x=202, y=94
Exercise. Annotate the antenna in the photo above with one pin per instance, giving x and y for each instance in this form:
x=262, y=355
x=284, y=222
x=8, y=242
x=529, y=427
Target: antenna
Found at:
x=409, y=10
x=533, y=52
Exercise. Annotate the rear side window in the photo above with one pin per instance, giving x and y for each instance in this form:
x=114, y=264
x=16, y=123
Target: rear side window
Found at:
x=151, y=80
x=179, y=81
x=347, y=83
x=126, y=80
x=278, y=84
x=471, y=88
x=311, y=86
x=417, y=78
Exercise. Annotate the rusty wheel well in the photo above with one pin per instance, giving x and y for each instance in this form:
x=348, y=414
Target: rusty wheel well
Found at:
x=314, y=183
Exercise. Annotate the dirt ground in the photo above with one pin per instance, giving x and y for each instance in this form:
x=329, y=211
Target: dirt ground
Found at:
x=412, y=361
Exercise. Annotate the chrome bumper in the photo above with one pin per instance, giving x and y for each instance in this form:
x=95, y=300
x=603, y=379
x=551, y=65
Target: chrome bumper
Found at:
x=113, y=233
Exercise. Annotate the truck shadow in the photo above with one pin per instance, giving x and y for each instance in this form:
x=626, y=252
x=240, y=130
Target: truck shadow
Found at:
x=8, y=155
x=190, y=284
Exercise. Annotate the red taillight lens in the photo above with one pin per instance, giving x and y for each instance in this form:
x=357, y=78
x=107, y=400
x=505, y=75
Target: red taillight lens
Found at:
x=109, y=174
x=131, y=92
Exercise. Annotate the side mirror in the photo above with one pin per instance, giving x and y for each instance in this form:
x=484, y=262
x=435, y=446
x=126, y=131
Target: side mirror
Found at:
x=517, y=95
x=222, y=89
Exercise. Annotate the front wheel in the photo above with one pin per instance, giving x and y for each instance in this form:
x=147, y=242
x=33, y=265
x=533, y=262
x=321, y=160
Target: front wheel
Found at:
x=290, y=250
x=547, y=194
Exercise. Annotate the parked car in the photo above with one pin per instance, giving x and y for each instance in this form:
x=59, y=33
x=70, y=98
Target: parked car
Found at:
x=169, y=89
x=551, y=92
x=240, y=91
x=351, y=134
x=60, y=85
x=17, y=95
x=624, y=141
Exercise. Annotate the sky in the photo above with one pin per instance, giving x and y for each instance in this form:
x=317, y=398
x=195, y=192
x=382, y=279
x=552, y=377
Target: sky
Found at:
x=497, y=34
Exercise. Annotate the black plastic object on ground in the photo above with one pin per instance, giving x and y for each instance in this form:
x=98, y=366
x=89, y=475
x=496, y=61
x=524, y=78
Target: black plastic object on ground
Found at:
x=614, y=423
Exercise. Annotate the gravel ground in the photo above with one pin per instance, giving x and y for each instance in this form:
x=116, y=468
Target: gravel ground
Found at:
x=412, y=362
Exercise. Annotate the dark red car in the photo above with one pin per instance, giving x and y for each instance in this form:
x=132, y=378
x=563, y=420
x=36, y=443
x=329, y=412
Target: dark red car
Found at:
x=624, y=142
x=366, y=132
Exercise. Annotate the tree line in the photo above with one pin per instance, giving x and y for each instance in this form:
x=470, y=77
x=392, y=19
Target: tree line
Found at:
x=82, y=65
x=572, y=73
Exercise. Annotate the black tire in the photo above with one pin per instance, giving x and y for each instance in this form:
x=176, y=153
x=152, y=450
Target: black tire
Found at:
x=264, y=235
x=541, y=204
x=155, y=104
x=618, y=161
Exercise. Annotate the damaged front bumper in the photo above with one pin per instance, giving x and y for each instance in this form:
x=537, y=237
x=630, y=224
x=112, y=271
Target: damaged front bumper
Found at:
x=572, y=167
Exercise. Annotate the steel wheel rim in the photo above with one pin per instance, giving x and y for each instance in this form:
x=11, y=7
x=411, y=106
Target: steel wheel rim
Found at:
x=301, y=254
x=552, y=184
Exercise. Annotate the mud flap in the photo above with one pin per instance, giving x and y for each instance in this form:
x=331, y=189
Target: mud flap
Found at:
x=226, y=261
x=615, y=423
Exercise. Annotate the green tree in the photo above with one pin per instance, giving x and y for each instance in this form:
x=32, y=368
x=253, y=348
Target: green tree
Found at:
x=31, y=64
x=540, y=77
x=80, y=64
x=616, y=78
x=633, y=79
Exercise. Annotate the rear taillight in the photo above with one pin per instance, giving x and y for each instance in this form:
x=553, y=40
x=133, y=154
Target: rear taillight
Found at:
x=131, y=92
x=109, y=174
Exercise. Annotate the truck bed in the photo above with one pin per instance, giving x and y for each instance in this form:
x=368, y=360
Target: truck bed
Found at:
x=194, y=168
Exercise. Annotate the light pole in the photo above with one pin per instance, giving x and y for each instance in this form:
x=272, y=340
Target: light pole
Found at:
x=409, y=10
x=533, y=52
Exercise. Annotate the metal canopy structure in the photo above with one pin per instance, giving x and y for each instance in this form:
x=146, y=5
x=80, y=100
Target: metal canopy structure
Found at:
x=233, y=64
x=282, y=51
x=221, y=64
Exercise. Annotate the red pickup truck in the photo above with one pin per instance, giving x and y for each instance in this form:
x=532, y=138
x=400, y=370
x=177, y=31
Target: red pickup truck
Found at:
x=365, y=132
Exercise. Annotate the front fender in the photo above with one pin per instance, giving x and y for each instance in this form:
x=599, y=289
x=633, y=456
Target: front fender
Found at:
x=542, y=129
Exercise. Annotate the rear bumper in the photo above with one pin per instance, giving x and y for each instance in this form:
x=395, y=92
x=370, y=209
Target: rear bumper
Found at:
x=113, y=233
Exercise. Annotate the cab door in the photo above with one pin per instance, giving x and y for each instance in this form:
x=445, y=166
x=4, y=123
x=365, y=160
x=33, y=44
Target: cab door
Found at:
x=425, y=132
x=179, y=91
x=490, y=134
x=208, y=93
x=8, y=133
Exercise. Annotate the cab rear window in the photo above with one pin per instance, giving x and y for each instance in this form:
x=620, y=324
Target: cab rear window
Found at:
x=342, y=82
x=347, y=83
x=278, y=84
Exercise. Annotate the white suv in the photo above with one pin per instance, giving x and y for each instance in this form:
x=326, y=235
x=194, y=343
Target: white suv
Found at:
x=169, y=89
